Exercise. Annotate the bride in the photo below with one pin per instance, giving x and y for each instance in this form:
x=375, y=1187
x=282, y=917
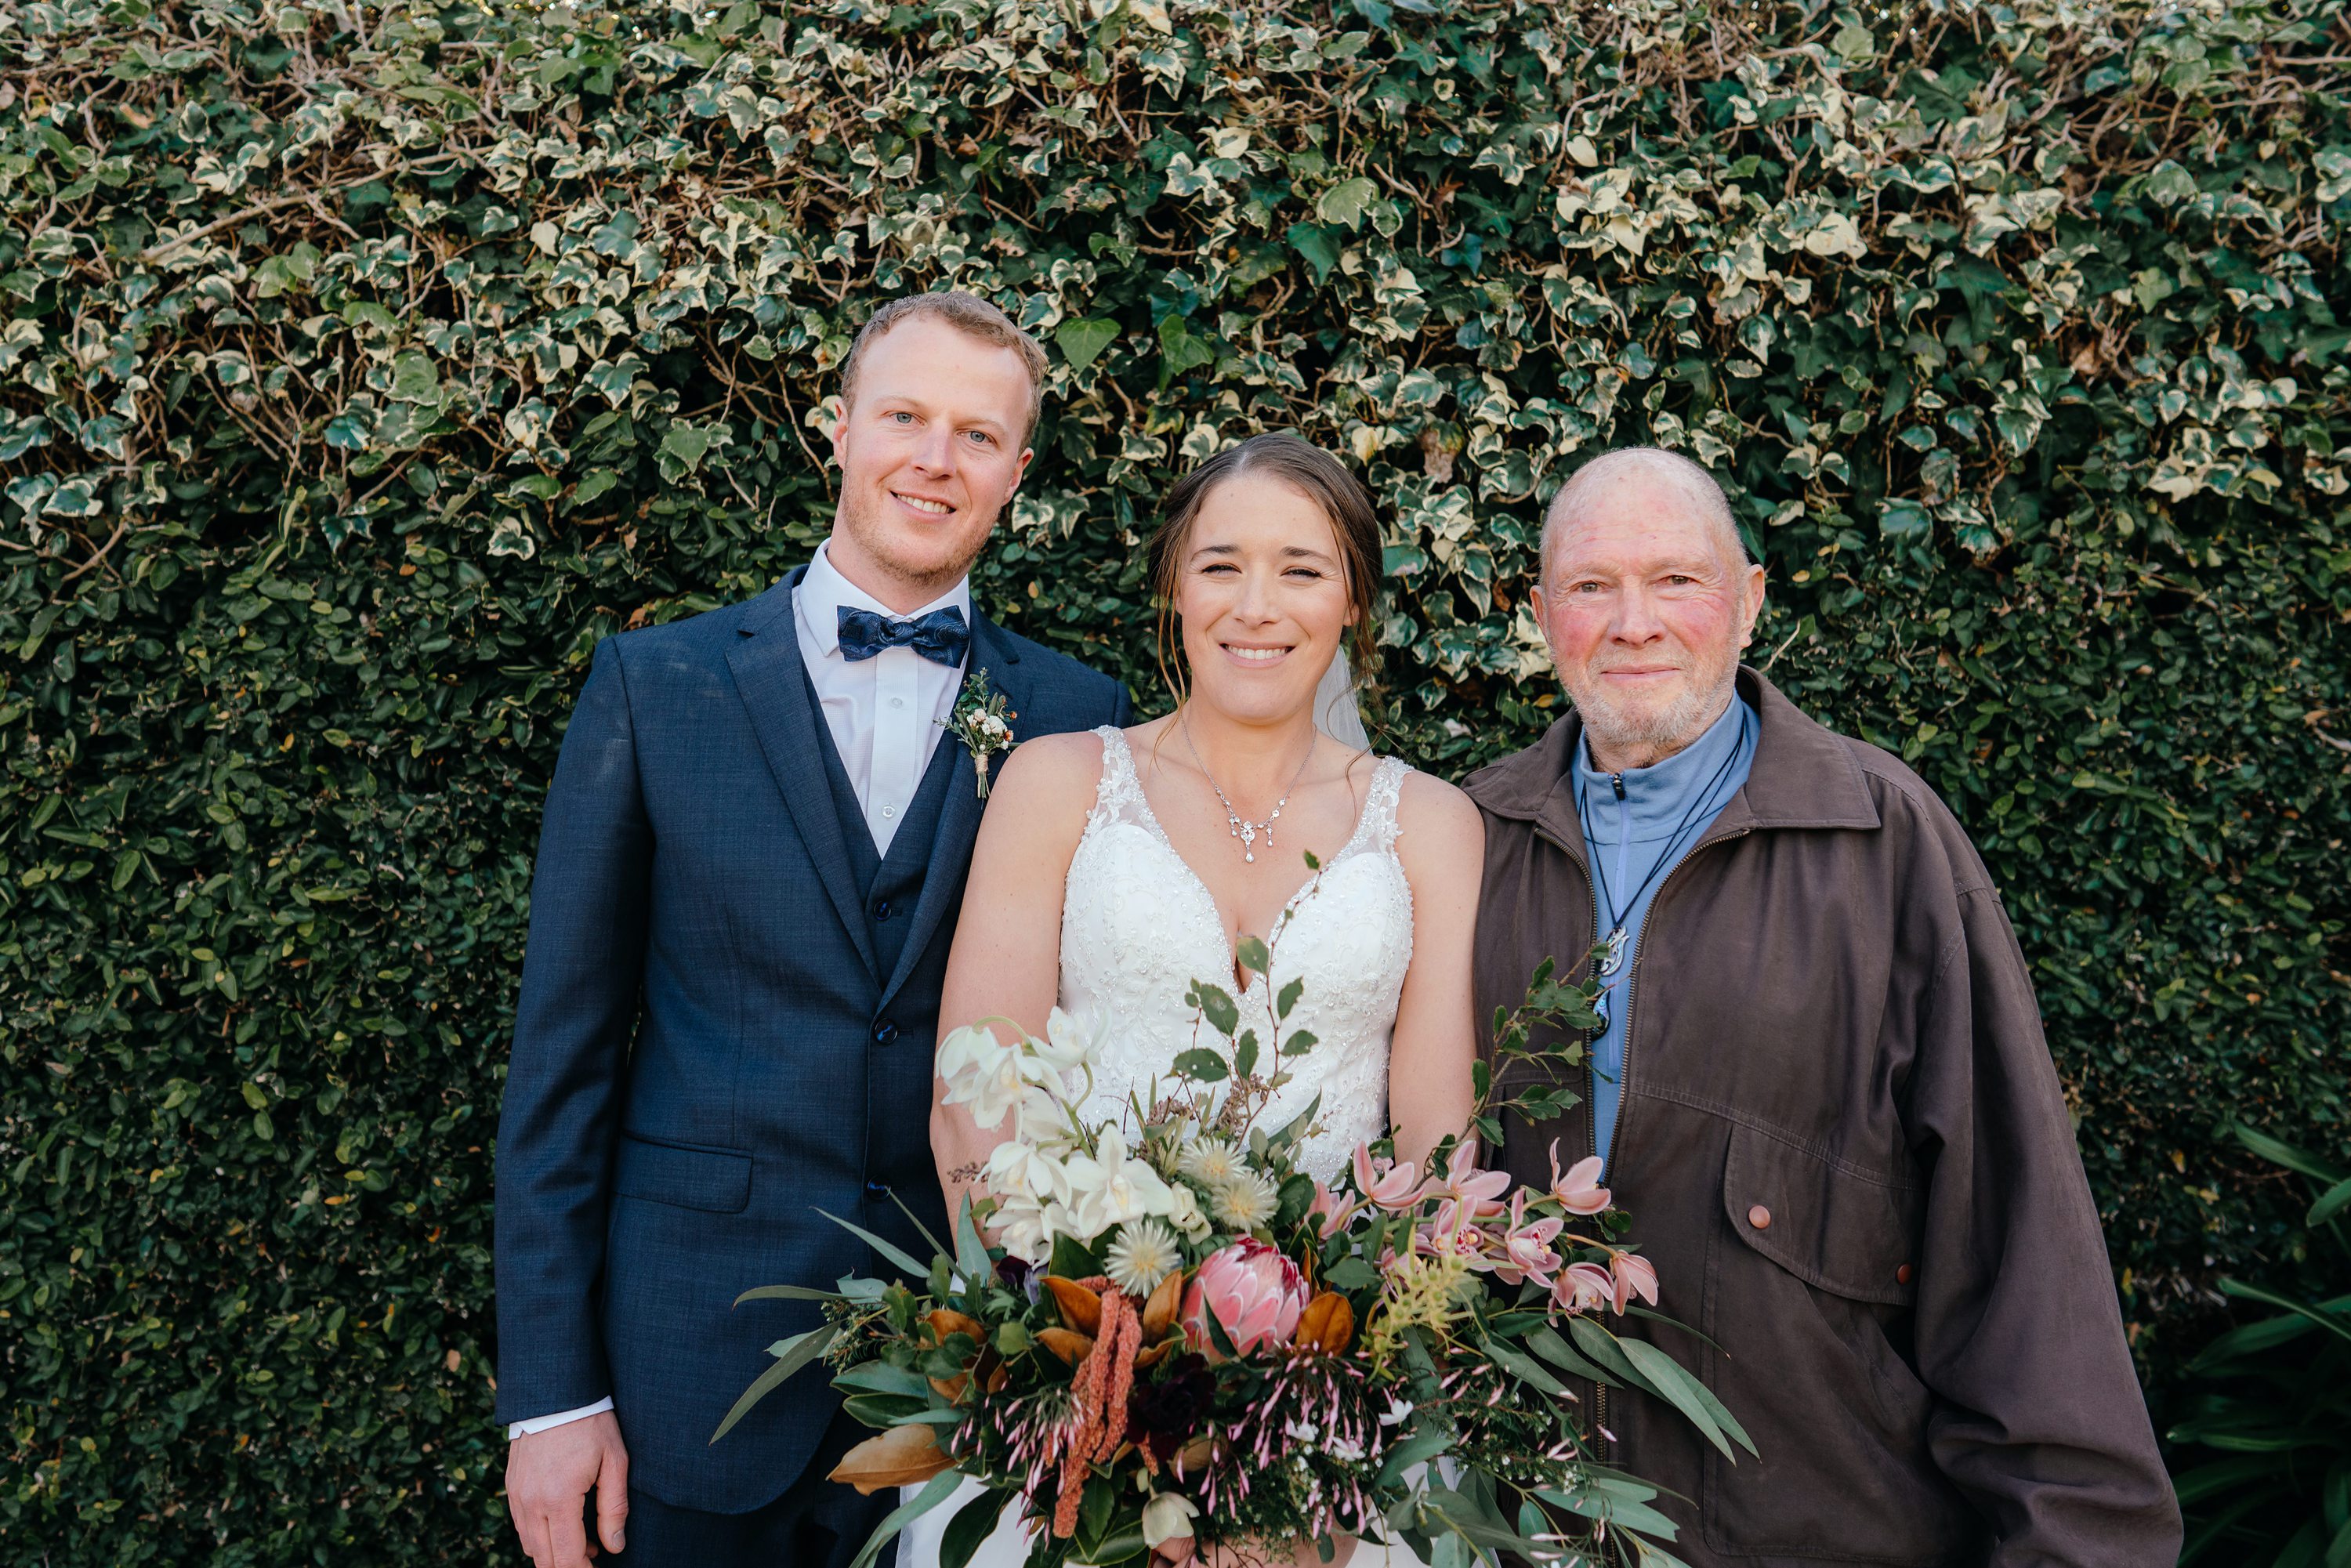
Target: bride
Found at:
x=1114, y=868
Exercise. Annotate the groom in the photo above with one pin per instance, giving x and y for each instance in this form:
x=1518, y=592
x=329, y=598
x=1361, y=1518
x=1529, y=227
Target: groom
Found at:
x=754, y=849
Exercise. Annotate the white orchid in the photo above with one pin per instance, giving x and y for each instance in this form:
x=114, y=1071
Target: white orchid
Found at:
x=1167, y=1516
x=981, y=1073
x=1184, y=1211
x=1110, y=1187
x=1068, y=1045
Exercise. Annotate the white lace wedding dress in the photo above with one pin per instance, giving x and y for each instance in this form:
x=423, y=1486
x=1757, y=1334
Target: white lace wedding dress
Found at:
x=1138, y=927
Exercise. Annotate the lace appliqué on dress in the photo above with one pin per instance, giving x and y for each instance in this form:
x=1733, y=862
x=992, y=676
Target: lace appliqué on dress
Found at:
x=1138, y=927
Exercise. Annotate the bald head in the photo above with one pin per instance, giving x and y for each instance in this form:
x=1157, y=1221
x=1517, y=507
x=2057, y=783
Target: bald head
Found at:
x=1645, y=597
x=1669, y=478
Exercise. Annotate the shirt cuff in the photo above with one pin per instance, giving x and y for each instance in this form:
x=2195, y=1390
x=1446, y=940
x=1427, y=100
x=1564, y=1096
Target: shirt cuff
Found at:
x=546, y=1423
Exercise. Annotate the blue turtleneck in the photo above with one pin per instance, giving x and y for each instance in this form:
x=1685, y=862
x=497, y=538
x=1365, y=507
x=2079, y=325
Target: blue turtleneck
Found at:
x=1637, y=825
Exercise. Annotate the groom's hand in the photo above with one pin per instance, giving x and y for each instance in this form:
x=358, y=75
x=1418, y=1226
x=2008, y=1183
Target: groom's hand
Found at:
x=549, y=1477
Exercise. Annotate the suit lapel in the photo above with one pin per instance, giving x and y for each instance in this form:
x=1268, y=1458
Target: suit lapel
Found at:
x=766, y=666
x=959, y=817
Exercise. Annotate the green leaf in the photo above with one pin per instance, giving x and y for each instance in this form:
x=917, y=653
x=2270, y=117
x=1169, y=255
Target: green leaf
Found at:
x=1081, y=342
x=786, y=1294
x=1287, y=998
x=1314, y=245
x=974, y=1523
x=1346, y=202
x=1689, y=1395
x=2287, y=1154
x=1217, y=1005
x=1245, y=1054
x=798, y=1352
x=2330, y=1203
x=889, y=1251
x=1250, y=954
x=1201, y=1065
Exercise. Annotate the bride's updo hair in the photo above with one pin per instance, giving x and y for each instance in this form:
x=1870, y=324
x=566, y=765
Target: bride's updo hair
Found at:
x=1313, y=474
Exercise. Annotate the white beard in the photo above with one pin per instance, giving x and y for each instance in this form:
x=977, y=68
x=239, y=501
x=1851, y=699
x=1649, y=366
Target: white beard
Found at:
x=1666, y=729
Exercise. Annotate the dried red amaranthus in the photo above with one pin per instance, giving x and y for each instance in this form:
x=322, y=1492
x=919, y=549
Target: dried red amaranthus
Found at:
x=1098, y=1396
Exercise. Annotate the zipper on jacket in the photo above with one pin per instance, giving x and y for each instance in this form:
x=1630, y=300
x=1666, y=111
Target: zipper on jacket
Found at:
x=1607, y=1444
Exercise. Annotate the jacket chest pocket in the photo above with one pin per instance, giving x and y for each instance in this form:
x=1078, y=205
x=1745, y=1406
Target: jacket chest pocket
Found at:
x=1809, y=1296
x=1850, y=1235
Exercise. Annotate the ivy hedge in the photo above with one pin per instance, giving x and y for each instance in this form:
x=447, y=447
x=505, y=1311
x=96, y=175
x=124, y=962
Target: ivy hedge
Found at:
x=365, y=364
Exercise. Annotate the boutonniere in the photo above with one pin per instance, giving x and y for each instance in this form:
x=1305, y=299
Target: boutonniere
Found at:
x=982, y=722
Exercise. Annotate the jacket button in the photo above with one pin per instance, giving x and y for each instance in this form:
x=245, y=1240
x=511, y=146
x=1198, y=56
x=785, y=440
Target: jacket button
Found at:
x=884, y=1032
x=1902, y=1276
x=877, y=1190
x=882, y=910
x=1760, y=1217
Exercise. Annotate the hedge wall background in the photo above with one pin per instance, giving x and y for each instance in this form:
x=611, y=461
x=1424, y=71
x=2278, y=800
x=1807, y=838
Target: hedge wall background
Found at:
x=365, y=364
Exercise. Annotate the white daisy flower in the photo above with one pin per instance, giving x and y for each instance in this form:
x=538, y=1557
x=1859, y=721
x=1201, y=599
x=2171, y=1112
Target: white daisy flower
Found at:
x=1210, y=1161
x=1144, y=1254
x=1244, y=1200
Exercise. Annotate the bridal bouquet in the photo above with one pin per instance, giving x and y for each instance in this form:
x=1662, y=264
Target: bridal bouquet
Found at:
x=1181, y=1340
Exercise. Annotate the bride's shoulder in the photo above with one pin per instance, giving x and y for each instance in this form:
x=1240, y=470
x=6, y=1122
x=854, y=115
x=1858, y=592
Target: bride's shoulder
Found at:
x=1437, y=824
x=1047, y=767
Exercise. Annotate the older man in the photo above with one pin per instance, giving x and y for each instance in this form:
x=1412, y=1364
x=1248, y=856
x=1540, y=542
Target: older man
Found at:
x=1821, y=1089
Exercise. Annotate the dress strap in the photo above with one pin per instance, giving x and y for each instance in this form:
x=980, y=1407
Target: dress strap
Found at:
x=1379, y=829
x=1119, y=795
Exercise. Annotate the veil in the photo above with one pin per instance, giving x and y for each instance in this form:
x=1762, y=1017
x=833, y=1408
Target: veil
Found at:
x=1337, y=714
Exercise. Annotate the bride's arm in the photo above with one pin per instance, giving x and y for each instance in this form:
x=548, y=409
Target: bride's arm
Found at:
x=1006, y=962
x=1442, y=844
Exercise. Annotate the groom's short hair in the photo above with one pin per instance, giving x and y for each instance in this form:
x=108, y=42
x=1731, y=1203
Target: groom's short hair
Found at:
x=966, y=313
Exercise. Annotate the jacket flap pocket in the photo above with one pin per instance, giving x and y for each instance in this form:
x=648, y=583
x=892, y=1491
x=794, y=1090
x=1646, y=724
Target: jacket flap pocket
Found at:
x=1830, y=1225
x=718, y=1180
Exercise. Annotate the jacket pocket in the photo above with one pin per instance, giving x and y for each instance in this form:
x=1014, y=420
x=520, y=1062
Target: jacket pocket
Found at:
x=717, y=1181
x=1852, y=1235
x=1808, y=1304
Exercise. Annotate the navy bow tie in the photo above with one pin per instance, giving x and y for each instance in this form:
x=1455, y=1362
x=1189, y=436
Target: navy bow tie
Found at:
x=941, y=636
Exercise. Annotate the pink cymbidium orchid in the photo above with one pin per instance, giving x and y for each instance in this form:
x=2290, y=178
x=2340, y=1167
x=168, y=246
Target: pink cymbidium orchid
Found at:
x=1634, y=1277
x=1579, y=1190
x=1330, y=1212
x=1526, y=1251
x=1584, y=1287
x=1480, y=1193
x=1389, y=1186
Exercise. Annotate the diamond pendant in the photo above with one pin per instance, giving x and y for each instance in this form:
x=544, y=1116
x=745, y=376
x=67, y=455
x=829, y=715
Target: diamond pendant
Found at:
x=1613, y=959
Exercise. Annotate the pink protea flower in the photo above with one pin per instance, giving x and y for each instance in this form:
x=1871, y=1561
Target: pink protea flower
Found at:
x=1579, y=1191
x=1584, y=1287
x=1390, y=1187
x=1255, y=1294
x=1634, y=1277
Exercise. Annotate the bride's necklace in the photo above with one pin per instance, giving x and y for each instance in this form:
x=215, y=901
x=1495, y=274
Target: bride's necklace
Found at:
x=1242, y=829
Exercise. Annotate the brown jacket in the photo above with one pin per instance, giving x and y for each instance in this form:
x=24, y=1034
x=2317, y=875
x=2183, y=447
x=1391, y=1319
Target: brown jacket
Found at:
x=1845, y=1147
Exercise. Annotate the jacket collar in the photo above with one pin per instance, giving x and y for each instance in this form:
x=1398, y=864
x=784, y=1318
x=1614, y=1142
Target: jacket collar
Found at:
x=1804, y=775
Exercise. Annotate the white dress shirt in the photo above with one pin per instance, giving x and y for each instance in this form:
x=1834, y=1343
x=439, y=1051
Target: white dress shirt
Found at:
x=885, y=714
x=886, y=711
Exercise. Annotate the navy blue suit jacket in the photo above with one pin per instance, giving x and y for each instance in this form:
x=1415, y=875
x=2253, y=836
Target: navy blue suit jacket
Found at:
x=706, y=1050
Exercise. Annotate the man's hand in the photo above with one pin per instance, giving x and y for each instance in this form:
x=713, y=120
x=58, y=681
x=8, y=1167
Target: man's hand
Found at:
x=549, y=1477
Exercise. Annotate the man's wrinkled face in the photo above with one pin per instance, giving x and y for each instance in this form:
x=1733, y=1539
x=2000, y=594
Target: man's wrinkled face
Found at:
x=931, y=450
x=1645, y=604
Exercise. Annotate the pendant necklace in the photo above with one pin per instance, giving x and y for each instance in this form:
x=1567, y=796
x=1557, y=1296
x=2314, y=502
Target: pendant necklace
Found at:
x=1242, y=829
x=1613, y=958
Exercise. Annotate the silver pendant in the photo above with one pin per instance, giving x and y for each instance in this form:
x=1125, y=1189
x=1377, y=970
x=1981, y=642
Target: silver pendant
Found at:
x=1613, y=959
